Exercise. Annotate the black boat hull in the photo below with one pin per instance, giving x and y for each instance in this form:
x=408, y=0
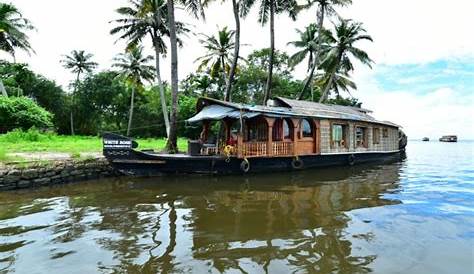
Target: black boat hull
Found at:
x=146, y=164
x=121, y=153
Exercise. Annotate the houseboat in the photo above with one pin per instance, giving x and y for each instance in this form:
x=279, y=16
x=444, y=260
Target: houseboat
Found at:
x=425, y=139
x=449, y=138
x=283, y=135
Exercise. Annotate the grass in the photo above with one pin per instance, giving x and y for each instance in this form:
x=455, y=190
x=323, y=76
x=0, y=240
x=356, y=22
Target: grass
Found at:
x=35, y=141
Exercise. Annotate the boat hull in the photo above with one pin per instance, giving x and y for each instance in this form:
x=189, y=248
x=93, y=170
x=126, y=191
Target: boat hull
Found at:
x=146, y=164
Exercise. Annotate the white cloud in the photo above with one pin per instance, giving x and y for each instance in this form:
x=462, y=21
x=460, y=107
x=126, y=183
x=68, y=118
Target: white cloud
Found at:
x=404, y=31
x=439, y=112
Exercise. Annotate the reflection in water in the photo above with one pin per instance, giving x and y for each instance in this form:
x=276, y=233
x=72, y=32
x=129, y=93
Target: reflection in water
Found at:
x=263, y=223
x=410, y=217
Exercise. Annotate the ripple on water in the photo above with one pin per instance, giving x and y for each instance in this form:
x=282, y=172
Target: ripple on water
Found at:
x=410, y=217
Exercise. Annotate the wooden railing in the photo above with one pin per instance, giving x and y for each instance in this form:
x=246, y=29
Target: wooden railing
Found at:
x=254, y=149
x=282, y=148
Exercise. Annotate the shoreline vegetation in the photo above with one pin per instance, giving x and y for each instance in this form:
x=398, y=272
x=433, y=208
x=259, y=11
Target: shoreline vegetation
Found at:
x=130, y=95
x=36, y=142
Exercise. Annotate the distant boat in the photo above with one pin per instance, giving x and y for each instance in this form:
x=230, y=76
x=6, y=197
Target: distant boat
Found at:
x=449, y=138
x=425, y=139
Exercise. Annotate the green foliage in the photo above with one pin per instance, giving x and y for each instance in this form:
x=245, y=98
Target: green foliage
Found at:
x=31, y=135
x=19, y=80
x=22, y=112
x=35, y=141
x=13, y=29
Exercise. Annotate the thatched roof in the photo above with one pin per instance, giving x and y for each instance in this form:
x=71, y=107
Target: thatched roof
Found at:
x=284, y=107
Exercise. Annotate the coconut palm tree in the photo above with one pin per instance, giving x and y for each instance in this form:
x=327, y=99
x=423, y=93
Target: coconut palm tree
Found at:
x=217, y=58
x=78, y=62
x=148, y=18
x=325, y=8
x=134, y=68
x=340, y=50
x=267, y=10
x=194, y=7
x=306, y=45
x=341, y=82
x=12, y=33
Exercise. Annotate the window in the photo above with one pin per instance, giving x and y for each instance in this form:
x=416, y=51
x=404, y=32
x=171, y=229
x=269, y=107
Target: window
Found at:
x=360, y=137
x=306, y=128
x=339, y=135
x=286, y=130
x=385, y=132
x=282, y=129
x=376, y=135
x=256, y=130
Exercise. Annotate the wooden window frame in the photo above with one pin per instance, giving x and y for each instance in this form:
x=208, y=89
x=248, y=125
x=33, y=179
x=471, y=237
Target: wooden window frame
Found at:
x=312, y=126
x=376, y=132
x=345, y=133
x=365, y=136
x=385, y=132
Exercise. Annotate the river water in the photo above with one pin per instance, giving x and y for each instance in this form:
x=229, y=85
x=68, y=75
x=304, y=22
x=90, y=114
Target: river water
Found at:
x=415, y=216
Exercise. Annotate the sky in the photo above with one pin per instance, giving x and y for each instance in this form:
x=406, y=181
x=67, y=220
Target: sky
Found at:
x=422, y=79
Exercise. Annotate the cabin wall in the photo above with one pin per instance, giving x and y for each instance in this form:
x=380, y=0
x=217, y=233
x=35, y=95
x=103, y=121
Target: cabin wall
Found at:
x=305, y=146
x=388, y=143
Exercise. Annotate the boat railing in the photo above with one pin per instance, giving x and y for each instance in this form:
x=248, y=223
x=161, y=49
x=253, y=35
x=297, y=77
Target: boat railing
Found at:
x=254, y=148
x=282, y=148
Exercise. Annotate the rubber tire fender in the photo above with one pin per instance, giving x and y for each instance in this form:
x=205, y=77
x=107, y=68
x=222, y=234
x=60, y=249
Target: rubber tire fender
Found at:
x=351, y=159
x=245, y=166
x=297, y=163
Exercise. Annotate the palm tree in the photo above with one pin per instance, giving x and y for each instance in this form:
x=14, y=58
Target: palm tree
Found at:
x=306, y=45
x=134, y=68
x=195, y=7
x=148, y=18
x=78, y=62
x=12, y=33
x=218, y=55
x=325, y=7
x=341, y=82
x=266, y=13
x=341, y=48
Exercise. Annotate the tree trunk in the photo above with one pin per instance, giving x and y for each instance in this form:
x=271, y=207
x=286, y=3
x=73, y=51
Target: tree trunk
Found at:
x=73, y=103
x=2, y=89
x=325, y=94
x=130, y=115
x=164, y=107
x=316, y=55
x=171, y=144
x=268, y=88
x=230, y=79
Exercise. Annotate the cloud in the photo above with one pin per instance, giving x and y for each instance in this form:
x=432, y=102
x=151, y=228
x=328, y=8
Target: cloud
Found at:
x=437, y=112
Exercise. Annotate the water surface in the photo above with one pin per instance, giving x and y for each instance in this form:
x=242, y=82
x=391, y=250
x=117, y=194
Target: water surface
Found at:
x=415, y=216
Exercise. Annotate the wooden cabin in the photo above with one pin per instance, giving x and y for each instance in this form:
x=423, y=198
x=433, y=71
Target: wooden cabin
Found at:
x=287, y=127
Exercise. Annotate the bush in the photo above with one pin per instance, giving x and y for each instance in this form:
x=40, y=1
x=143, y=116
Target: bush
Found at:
x=31, y=135
x=23, y=113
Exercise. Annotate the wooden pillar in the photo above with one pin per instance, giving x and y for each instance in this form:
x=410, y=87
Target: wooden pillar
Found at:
x=270, y=122
x=296, y=128
x=227, y=126
x=240, y=143
x=317, y=136
x=205, y=131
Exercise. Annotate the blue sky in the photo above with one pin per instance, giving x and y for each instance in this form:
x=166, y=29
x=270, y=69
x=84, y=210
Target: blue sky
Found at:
x=424, y=78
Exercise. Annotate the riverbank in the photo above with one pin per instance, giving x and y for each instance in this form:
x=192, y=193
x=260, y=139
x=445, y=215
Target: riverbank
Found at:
x=31, y=159
x=22, y=147
x=45, y=173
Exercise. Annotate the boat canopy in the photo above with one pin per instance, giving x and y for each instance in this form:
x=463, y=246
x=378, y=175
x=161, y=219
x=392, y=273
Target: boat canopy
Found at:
x=219, y=112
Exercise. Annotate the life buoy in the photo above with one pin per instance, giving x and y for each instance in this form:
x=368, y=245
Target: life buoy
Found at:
x=351, y=159
x=297, y=163
x=245, y=166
